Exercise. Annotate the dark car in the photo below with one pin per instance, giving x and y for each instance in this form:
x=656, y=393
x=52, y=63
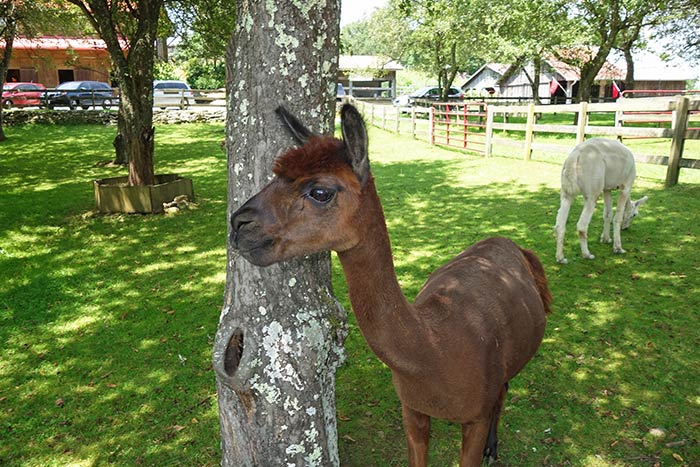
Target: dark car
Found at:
x=431, y=93
x=83, y=94
x=21, y=94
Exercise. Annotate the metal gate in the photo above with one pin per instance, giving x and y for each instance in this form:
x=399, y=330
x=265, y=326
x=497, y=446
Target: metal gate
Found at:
x=459, y=125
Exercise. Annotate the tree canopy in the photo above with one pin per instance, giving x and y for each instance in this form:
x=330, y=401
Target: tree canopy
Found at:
x=444, y=36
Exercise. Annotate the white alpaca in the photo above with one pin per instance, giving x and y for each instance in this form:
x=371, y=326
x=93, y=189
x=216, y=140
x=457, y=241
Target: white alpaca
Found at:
x=597, y=166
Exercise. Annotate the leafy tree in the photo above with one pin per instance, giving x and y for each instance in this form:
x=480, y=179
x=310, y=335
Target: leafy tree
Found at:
x=386, y=32
x=204, y=25
x=437, y=42
x=424, y=34
x=608, y=24
x=522, y=32
x=129, y=29
x=681, y=29
x=205, y=28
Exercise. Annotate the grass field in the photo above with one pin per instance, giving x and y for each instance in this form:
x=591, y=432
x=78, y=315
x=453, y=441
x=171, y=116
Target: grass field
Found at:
x=107, y=321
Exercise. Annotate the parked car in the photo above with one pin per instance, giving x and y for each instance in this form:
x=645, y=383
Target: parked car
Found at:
x=171, y=93
x=85, y=94
x=21, y=94
x=431, y=93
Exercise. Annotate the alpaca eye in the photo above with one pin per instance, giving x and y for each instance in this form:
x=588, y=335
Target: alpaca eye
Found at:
x=322, y=195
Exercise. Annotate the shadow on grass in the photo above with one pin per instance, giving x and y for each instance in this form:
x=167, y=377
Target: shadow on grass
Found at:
x=107, y=321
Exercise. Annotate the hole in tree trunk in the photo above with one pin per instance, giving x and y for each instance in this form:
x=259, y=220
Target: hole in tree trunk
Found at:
x=234, y=350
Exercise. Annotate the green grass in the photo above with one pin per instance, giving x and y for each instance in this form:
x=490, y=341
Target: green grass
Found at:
x=107, y=321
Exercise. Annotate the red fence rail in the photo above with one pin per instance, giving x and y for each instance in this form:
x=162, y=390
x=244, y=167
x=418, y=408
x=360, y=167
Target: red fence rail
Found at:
x=460, y=125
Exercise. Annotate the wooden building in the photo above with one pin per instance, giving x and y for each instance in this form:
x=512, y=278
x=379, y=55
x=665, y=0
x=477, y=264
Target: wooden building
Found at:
x=368, y=75
x=559, y=81
x=53, y=60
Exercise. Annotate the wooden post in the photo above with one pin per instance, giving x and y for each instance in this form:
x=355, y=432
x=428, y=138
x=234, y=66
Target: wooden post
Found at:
x=582, y=122
x=619, y=116
x=398, y=120
x=679, y=126
x=448, y=117
x=431, y=125
x=384, y=117
x=413, y=121
x=465, y=120
x=489, y=131
x=529, y=134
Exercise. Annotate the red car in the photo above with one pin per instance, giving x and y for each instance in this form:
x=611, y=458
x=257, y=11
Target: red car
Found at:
x=21, y=94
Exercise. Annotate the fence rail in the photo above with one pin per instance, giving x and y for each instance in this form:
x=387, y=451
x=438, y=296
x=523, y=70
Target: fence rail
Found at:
x=462, y=126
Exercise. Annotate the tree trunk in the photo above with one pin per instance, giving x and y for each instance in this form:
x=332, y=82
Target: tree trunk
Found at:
x=280, y=333
x=10, y=29
x=629, y=76
x=133, y=66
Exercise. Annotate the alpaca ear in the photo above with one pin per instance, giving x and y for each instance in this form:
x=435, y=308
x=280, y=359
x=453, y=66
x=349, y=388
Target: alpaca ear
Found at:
x=298, y=131
x=640, y=201
x=355, y=137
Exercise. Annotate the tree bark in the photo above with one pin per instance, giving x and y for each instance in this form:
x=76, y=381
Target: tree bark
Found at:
x=281, y=330
x=133, y=66
x=9, y=31
x=629, y=75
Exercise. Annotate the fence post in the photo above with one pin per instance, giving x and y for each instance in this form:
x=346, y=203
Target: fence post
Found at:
x=582, y=122
x=413, y=122
x=384, y=117
x=431, y=125
x=465, y=121
x=489, y=131
x=679, y=126
x=398, y=120
x=529, y=134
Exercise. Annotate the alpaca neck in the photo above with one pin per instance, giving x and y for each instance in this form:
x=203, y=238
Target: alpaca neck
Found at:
x=382, y=311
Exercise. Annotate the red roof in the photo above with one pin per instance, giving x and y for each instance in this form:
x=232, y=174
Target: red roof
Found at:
x=59, y=43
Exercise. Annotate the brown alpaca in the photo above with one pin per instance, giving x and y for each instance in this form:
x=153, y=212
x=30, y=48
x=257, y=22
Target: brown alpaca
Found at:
x=475, y=324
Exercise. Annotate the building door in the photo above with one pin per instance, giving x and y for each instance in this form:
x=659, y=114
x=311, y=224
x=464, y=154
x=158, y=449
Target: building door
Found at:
x=65, y=75
x=12, y=75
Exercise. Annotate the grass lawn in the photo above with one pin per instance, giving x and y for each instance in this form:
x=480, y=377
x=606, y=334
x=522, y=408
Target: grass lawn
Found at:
x=107, y=321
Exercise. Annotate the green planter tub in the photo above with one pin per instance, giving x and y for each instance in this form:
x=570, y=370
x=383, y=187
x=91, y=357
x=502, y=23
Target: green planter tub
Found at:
x=114, y=195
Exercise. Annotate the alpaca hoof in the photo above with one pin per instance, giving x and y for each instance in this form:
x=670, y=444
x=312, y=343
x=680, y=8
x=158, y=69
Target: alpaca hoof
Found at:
x=588, y=256
x=562, y=260
x=619, y=250
x=605, y=240
x=490, y=456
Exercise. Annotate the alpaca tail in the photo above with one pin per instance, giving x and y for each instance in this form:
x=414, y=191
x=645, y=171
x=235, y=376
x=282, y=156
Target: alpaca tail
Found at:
x=538, y=274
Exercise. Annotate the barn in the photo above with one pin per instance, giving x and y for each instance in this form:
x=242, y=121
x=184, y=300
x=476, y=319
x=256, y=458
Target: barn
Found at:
x=368, y=75
x=559, y=81
x=53, y=60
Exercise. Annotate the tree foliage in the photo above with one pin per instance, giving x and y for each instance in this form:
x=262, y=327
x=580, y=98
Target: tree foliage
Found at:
x=681, y=30
x=427, y=34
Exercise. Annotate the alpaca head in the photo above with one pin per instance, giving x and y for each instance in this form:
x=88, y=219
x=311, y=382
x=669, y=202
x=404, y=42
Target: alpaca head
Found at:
x=312, y=203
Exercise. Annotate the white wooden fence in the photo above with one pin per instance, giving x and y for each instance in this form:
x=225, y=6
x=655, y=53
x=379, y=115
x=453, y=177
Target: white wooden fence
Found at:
x=683, y=114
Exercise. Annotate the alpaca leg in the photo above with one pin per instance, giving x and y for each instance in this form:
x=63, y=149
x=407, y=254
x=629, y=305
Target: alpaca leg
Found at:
x=607, y=216
x=417, y=428
x=617, y=224
x=491, y=449
x=474, y=437
x=560, y=227
x=582, y=226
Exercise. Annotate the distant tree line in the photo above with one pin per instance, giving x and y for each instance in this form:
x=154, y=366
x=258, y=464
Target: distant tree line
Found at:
x=446, y=37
